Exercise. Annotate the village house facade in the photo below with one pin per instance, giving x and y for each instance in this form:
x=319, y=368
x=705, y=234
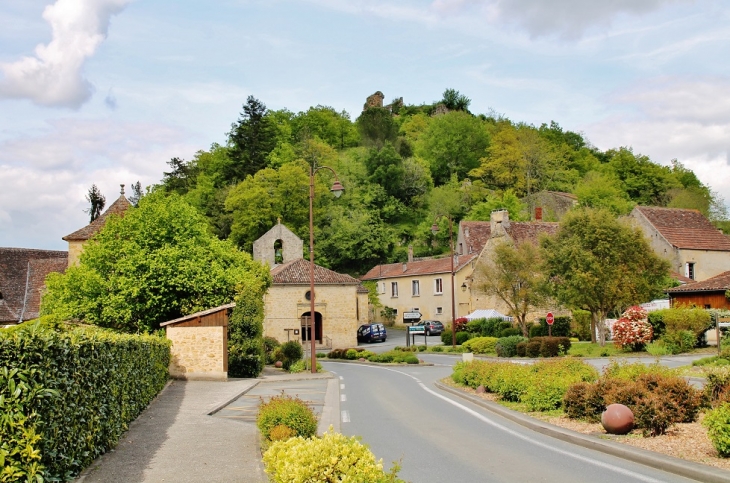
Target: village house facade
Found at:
x=692, y=245
x=340, y=305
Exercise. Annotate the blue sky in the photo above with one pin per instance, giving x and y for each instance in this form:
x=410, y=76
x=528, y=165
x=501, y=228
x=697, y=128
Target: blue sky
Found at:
x=107, y=91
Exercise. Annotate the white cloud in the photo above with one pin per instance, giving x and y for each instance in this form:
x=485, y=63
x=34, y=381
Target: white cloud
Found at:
x=53, y=77
x=667, y=118
x=567, y=19
x=46, y=176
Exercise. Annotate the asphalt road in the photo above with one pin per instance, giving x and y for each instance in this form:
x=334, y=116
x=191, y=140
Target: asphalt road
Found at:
x=441, y=438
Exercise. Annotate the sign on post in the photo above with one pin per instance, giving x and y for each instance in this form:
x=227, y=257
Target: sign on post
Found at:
x=416, y=329
x=550, y=319
x=721, y=322
x=411, y=316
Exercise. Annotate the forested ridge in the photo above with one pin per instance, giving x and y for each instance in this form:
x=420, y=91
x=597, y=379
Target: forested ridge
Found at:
x=404, y=167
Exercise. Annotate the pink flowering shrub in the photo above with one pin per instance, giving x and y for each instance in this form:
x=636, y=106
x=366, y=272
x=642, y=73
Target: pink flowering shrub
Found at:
x=632, y=330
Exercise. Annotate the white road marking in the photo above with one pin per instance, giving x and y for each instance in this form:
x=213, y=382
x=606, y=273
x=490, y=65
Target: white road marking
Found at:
x=345, y=417
x=342, y=386
x=484, y=419
x=343, y=397
x=341, y=378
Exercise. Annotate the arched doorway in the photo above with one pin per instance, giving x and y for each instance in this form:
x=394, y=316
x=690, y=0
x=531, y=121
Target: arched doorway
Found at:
x=307, y=329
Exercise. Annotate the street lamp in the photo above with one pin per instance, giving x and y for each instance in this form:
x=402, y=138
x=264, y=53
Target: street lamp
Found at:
x=337, y=190
x=434, y=230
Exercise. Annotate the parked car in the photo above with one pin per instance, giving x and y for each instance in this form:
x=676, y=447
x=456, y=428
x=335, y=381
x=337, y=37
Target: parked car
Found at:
x=432, y=327
x=371, y=333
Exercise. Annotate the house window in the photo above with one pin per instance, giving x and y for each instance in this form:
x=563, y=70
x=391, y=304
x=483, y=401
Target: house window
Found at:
x=690, y=270
x=382, y=287
x=439, y=286
x=439, y=310
x=393, y=289
x=461, y=248
x=415, y=284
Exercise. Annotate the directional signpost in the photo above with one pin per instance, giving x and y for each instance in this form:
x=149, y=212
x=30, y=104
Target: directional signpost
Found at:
x=413, y=318
x=550, y=319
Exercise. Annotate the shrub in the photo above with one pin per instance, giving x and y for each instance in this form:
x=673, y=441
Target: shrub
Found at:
x=298, y=366
x=507, y=346
x=421, y=348
x=717, y=385
x=656, y=320
x=510, y=332
x=521, y=349
x=632, y=371
x=321, y=355
x=280, y=433
x=632, y=330
x=68, y=393
x=581, y=326
x=685, y=318
x=678, y=342
x=560, y=328
x=446, y=337
x=461, y=337
x=410, y=359
x=438, y=348
x=536, y=331
x=658, y=348
x=533, y=347
x=717, y=422
x=289, y=411
x=246, y=345
x=549, y=347
x=460, y=324
x=351, y=354
x=270, y=344
x=480, y=345
x=333, y=457
x=292, y=352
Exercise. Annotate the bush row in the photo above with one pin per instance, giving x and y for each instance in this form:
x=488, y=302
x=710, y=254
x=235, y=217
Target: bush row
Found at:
x=540, y=386
x=657, y=401
x=543, y=347
x=68, y=393
x=394, y=356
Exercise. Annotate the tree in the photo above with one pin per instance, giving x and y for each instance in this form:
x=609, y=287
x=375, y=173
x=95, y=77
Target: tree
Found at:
x=97, y=201
x=136, y=194
x=508, y=201
x=598, y=190
x=376, y=126
x=455, y=101
x=181, y=178
x=385, y=167
x=251, y=139
x=599, y=264
x=513, y=274
x=453, y=144
x=157, y=263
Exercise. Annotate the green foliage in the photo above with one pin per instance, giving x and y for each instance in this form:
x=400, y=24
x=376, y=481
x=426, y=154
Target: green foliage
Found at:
x=292, y=352
x=679, y=342
x=376, y=126
x=481, y=345
x=598, y=190
x=628, y=371
x=560, y=328
x=507, y=346
x=508, y=201
x=246, y=347
x=270, y=345
x=658, y=348
x=333, y=457
x=455, y=101
x=288, y=411
x=717, y=422
x=461, y=337
x=717, y=385
x=548, y=346
x=157, y=263
x=581, y=324
x=685, y=318
x=351, y=354
x=599, y=263
x=68, y=394
x=251, y=140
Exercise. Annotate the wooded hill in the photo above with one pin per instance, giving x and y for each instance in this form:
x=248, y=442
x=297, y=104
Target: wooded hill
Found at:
x=404, y=167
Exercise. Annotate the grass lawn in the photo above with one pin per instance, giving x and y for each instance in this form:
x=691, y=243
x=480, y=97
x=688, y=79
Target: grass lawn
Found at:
x=589, y=349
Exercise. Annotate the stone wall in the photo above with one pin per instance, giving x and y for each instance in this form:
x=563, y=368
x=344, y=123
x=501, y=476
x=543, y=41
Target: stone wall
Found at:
x=74, y=252
x=291, y=249
x=198, y=352
x=341, y=310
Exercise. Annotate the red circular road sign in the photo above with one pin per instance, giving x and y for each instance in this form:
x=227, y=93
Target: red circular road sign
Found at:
x=550, y=319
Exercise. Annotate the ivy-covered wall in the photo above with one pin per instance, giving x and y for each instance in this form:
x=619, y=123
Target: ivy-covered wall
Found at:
x=68, y=393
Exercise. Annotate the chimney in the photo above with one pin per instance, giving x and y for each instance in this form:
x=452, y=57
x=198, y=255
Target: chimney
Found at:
x=499, y=218
x=410, y=253
x=538, y=213
x=405, y=267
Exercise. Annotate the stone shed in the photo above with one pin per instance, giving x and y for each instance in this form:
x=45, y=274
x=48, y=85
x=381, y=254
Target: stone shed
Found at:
x=200, y=344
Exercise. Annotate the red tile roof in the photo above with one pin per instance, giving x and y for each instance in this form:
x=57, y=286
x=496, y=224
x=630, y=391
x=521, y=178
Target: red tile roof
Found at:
x=685, y=228
x=681, y=278
x=418, y=267
x=718, y=283
x=476, y=234
x=23, y=273
x=296, y=272
x=521, y=231
x=121, y=205
x=199, y=314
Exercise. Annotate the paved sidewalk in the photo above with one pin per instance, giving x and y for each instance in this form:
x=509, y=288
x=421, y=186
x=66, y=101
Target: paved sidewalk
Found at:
x=178, y=438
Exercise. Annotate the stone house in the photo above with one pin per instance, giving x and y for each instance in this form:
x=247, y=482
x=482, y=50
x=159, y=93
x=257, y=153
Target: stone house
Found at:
x=77, y=239
x=503, y=230
x=692, y=245
x=552, y=205
x=708, y=294
x=423, y=285
x=23, y=274
x=341, y=302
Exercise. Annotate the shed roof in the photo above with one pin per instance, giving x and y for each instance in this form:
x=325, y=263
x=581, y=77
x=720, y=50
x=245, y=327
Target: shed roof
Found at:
x=199, y=314
x=418, y=267
x=296, y=272
x=683, y=228
x=121, y=205
x=718, y=283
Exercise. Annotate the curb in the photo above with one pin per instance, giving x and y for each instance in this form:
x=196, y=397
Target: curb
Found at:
x=687, y=469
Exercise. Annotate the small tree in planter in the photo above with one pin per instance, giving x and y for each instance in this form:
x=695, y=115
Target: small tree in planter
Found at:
x=632, y=330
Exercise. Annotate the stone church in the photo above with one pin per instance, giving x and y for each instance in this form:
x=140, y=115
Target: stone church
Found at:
x=341, y=302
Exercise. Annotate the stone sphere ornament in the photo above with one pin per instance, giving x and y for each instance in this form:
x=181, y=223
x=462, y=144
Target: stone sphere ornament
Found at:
x=617, y=419
x=278, y=364
x=481, y=390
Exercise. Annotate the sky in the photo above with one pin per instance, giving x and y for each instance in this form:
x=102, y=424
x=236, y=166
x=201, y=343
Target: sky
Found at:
x=105, y=92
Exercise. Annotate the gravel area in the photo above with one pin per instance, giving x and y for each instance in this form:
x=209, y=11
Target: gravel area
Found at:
x=687, y=441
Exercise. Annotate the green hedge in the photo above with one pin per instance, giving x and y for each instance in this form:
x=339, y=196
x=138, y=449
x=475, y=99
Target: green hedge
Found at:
x=70, y=393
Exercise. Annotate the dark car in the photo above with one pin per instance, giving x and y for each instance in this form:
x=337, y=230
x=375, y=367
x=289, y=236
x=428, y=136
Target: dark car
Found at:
x=371, y=333
x=432, y=327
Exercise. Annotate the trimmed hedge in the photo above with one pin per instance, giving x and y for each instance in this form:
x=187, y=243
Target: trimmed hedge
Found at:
x=68, y=394
x=480, y=345
x=507, y=346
